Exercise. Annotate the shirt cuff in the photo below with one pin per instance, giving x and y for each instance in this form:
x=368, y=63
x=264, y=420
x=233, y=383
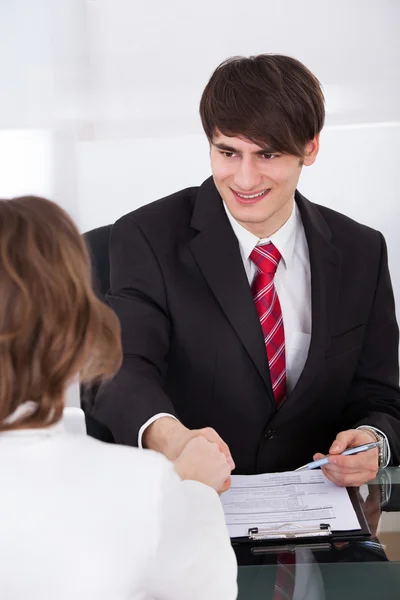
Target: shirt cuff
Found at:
x=149, y=422
x=388, y=453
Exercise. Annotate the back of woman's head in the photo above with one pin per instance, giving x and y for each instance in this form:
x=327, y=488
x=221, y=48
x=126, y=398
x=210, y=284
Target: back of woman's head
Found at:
x=52, y=325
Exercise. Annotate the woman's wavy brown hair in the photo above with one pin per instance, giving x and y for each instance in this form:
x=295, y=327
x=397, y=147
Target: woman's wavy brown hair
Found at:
x=52, y=325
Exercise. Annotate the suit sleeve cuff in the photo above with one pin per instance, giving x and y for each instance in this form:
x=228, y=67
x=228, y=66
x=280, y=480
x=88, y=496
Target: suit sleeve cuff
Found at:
x=149, y=422
x=387, y=453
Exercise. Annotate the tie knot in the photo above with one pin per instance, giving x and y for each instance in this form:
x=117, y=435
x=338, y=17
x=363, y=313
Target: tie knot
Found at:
x=266, y=258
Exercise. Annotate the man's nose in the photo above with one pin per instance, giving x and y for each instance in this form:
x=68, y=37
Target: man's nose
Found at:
x=247, y=176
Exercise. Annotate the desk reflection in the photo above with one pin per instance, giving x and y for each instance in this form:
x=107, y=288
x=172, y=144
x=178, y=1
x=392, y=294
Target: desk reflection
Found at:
x=347, y=569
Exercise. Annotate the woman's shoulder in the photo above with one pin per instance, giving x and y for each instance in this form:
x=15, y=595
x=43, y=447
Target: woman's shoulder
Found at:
x=124, y=481
x=117, y=460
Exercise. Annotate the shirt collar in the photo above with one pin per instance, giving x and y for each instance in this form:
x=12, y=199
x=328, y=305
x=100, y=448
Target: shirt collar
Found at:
x=283, y=239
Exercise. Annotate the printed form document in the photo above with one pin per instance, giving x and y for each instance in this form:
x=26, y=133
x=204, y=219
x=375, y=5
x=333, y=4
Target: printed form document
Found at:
x=298, y=499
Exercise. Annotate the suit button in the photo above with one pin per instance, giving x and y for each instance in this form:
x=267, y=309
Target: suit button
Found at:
x=269, y=434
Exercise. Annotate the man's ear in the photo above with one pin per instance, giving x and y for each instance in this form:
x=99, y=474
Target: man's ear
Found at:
x=311, y=151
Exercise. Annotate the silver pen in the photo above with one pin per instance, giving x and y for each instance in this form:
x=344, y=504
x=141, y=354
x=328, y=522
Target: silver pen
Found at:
x=325, y=461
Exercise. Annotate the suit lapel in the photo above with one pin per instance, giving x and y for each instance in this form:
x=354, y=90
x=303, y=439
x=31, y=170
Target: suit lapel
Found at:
x=325, y=267
x=216, y=251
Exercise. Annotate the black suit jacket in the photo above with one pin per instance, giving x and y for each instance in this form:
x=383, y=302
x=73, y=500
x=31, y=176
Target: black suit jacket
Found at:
x=193, y=344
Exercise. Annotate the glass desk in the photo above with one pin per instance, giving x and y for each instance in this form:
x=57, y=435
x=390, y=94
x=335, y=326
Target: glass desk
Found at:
x=365, y=570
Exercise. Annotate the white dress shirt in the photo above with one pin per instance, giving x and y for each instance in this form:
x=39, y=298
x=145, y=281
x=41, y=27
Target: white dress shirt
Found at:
x=85, y=520
x=292, y=282
x=293, y=285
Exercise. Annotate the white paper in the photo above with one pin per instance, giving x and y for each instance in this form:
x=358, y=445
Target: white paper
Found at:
x=303, y=499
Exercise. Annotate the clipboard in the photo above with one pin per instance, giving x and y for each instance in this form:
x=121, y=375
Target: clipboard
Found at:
x=290, y=532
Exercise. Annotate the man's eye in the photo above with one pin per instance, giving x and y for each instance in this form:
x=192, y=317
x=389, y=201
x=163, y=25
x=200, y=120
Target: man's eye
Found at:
x=268, y=155
x=227, y=154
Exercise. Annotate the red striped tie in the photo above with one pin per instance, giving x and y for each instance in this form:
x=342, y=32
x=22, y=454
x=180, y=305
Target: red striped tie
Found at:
x=266, y=258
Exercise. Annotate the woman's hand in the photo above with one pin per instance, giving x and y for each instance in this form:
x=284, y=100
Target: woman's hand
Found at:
x=203, y=461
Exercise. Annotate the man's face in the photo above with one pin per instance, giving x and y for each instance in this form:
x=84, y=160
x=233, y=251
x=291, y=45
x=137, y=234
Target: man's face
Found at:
x=256, y=184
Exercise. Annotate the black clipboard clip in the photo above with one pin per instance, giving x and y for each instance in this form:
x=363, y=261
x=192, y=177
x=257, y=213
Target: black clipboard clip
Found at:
x=290, y=531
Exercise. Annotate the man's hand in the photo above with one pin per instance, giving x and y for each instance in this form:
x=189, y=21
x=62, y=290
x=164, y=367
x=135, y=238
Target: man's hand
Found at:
x=352, y=470
x=170, y=437
x=203, y=461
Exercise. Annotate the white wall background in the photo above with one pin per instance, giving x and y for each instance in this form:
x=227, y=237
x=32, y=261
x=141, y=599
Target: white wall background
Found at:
x=99, y=101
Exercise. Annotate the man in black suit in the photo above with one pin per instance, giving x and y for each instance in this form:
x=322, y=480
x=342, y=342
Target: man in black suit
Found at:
x=249, y=314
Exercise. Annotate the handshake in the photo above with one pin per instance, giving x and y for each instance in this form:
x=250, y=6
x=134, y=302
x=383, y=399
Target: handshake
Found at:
x=201, y=454
x=197, y=454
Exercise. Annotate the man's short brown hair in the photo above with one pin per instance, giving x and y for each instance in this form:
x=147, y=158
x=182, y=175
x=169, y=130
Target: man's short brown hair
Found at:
x=270, y=99
x=52, y=325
